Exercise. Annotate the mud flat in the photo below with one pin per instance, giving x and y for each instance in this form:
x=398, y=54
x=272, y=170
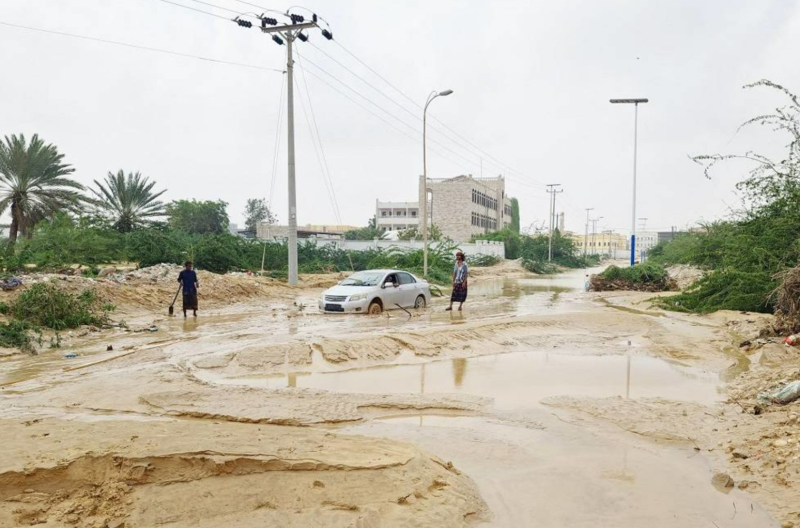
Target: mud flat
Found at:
x=540, y=405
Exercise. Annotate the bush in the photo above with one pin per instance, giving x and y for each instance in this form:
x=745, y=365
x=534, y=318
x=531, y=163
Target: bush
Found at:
x=649, y=276
x=44, y=304
x=725, y=289
x=17, y=334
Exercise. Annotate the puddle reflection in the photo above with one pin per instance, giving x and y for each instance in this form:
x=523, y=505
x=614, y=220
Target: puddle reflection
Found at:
x=514, y=380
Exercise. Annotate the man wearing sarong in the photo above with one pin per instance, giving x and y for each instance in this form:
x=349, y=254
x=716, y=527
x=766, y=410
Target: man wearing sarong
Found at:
x=460, y=276
x=188, y=280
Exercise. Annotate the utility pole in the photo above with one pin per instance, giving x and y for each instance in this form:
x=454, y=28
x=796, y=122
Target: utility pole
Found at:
x=553, y=192
x=594, y=231
x=286, y=34
x=586, y=234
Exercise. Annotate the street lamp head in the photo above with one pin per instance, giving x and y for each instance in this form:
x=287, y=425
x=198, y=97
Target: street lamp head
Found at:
x=628, y=101
x=446, y=92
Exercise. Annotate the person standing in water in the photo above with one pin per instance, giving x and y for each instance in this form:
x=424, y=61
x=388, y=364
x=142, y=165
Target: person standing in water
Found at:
x=460, y=277
x=188, y=279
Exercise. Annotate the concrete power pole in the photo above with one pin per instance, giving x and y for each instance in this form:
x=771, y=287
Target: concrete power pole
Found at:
x=553, y=192
x=288, y=33
x=586, y=234
x=594, y=232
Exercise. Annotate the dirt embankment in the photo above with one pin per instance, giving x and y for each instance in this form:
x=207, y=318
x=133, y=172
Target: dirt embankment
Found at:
x=120, y=474
x=153, y=288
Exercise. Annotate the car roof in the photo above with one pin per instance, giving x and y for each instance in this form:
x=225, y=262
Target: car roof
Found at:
x=386, y=271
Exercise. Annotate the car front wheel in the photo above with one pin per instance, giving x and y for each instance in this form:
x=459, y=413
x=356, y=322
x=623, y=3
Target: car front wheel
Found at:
x=420, y=302
x=375, y=308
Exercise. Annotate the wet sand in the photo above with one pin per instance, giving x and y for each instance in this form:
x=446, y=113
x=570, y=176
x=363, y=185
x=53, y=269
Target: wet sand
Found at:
x=539, y=405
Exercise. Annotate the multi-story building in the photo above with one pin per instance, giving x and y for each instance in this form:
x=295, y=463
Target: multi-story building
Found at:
x=645, y=241
x=463, y=207
x=606, y=243
x=394, y=216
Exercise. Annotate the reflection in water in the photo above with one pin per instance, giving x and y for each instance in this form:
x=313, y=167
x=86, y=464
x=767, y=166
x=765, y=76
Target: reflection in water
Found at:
x=459, y=371
x=513, y=380
x=189, y=324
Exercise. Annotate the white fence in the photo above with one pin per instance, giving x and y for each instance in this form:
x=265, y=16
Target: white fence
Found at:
x=480, y=247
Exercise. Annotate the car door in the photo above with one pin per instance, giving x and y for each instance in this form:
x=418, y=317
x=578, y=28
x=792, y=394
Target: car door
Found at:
x=392, y=295
x=408, y=289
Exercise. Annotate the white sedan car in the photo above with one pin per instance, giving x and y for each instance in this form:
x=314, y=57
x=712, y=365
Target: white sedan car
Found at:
x=374, y=291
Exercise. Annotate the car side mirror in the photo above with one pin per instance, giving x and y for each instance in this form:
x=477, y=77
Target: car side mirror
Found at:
x=383, y=286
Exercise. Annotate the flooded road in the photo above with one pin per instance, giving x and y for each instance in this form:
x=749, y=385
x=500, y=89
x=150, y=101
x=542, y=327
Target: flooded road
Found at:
x=472, y=388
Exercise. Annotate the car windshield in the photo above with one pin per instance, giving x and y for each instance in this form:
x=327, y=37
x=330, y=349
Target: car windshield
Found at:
x=363, y=278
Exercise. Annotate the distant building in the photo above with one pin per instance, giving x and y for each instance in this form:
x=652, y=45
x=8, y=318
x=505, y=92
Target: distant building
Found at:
x=645, y=241
x=267, y=231
x=5, y=229
x=463, y=207
x=667, y=236
x=605, y=244
x=395, y=216
x=460, y=207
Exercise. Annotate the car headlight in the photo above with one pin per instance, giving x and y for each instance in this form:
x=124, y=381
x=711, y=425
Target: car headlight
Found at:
x=359, y=297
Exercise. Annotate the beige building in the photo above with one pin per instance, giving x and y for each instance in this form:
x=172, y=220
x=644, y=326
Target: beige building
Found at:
x=464, y=206
x=267, y=231
x=604, y=243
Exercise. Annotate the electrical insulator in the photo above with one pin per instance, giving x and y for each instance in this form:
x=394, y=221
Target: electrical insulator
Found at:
x=297, y=19
x=277, y=39
x=267, y=20
x=314, y=18
x=303, y=37
x=244, y=23
x=327, y=34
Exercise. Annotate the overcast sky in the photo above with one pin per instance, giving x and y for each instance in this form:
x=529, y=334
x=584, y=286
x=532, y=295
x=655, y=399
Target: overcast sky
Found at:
x=531, y=82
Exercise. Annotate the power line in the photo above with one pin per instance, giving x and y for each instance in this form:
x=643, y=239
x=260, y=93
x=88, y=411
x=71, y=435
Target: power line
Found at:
x=398, y=90
x=415, y=115
x=383, y=119
x=195, y=9
x=136, y=46
x=277, y=146
x=319, y=140
x=393, y=116
x=216, y=6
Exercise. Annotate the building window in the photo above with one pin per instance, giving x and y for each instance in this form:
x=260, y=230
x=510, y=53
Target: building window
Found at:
x=413, y=214
x=383, y=214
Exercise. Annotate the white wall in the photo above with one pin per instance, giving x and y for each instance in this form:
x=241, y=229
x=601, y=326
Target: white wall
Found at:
x=480, y=247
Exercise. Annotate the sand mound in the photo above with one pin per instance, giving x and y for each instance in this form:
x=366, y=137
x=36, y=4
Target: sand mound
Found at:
x=194, y=474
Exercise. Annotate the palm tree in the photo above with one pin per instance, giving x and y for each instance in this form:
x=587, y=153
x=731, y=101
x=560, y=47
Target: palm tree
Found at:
x=128, y=201
x=34, y=183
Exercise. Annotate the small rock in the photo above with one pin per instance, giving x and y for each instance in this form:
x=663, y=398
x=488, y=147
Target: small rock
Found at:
x=787, y=524
x=722, y=481
x=743, y=484
x=740, y=455
x=105, y=272
x=780, y=443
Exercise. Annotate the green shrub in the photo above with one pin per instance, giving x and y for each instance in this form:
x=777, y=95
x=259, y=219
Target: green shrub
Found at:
x=649, y=276
x=17, y=334
x=725, y=289
x=46, y=305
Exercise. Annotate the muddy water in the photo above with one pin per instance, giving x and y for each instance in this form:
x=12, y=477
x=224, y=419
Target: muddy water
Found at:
x=514, y=380
x=534, y=465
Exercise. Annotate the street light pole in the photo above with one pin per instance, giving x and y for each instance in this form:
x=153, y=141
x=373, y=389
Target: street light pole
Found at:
x=424, y=194
x=635, y=103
